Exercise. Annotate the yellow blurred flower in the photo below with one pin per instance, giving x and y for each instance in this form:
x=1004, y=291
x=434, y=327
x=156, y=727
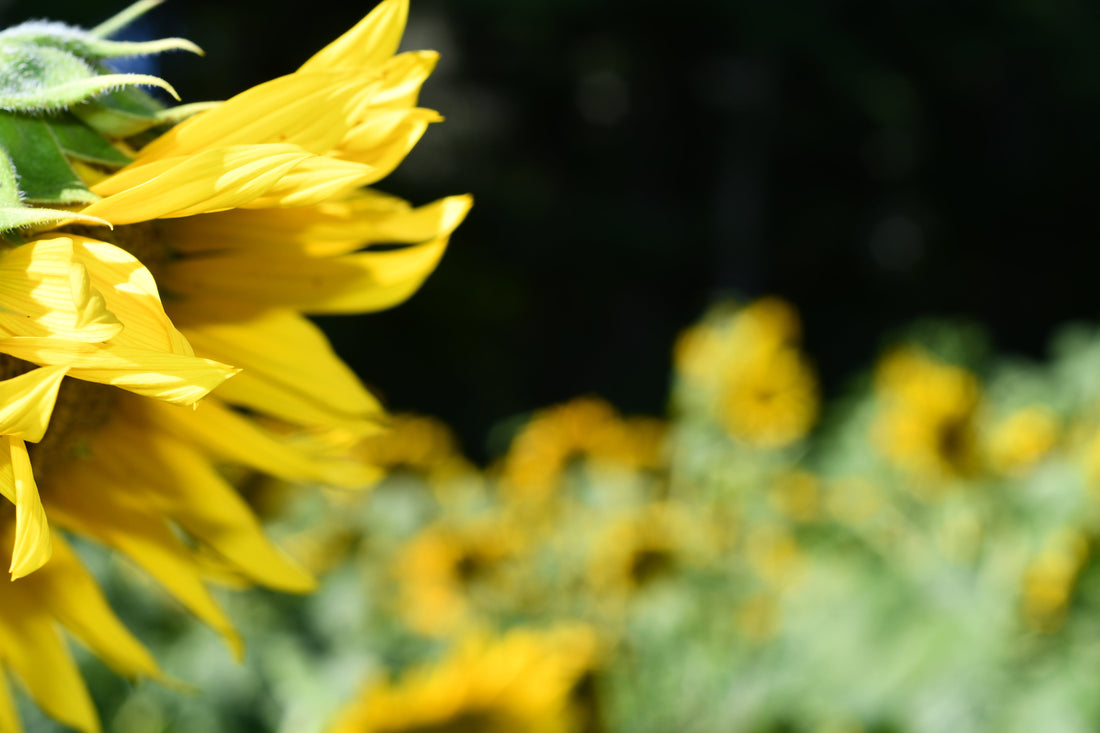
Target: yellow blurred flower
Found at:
x=526, y=680
x=584, y=428
x=853, y=500
x=643, y=546
x=249, y=215
x=1022, y=439
x=414, y=443
x=1050, y=578
x=758, y=617
x=927, y=418
x=774, y=555
x=447, y=569
x=753, y=375
x=797, y=495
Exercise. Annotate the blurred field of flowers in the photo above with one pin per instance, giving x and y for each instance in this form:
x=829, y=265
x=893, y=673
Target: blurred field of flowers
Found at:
x=911, y=557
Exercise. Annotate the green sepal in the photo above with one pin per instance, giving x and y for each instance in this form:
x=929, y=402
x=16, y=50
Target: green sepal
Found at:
x=79, y=141
x=49, y=66
x=37, y=79
x=120, y=113
x=44, y=174
x=83, y=44
x=14, y=214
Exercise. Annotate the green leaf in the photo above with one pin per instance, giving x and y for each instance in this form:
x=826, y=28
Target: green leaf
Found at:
x=14, y=214
x=77, y=140
x=44, y=174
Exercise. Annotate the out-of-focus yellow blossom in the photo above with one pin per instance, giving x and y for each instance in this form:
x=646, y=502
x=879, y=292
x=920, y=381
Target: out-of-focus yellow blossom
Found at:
x=584, y=428
x=524, y=681
x=758, y=617
x=1050, y=578
x=414, y=443
x=797, y=495
x=774, y=555
x=853, y=500
x=445, y=570
x=1022, y=439
x=640, y=547
x=926, y=422
x=750, y=366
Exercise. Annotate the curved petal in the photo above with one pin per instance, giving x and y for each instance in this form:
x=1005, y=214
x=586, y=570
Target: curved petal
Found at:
x=213, y=180
x=171, y=377
x=26, y=402
x=359, y=220
x=44, y=291
x=355, y=283
x=373, y=40
x=288, y=370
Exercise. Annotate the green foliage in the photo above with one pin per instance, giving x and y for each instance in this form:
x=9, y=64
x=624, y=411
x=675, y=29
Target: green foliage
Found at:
x=59, y=101
x=867, y=576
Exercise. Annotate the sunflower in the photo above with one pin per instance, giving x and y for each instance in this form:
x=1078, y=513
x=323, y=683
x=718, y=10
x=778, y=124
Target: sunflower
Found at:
x=746, y=368
x=525, y=680
x=225, y=233
x=642, y=547
x=585, y=429
x=451, y=572
x=927, y=418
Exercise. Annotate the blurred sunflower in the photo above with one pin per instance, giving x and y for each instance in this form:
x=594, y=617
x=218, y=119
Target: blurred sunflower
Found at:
x=1022, y=439
x=525, y=680
x=927, y=418
x=640, y=548
x=1050, y=579
x=246, y=216
x=451, y=571
x=586, y=428
x=415, y=443
x=745, y=366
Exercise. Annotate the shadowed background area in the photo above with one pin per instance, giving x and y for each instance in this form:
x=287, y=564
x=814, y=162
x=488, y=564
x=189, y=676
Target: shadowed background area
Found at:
x=870, y=162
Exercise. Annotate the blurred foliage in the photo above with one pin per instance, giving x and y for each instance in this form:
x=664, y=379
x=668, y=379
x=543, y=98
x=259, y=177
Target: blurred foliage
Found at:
x=916, y=556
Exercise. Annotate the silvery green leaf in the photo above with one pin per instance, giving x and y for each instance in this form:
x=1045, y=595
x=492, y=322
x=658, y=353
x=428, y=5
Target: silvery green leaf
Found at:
x=44, y=174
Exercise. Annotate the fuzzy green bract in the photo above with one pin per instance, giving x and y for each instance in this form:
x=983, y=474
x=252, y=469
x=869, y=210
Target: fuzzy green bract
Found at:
x=60, y=101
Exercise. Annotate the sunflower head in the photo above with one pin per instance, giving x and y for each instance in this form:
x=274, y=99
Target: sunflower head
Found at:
x=153, y=259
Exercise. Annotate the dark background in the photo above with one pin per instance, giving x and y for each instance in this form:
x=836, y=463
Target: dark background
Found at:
x=872, y=162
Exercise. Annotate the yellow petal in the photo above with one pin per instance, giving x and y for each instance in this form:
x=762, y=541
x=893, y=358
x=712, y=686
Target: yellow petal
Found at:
x=171, y=377
x=179, y=483
x=222, y=432
x=44, y=292
x=90, y=500
x=384, y=139
x=9, y=719
x=213, y=180
x=315, y=179
x=354, y=283
x=74, y=598
x=309, y=110
x=34, y=650
x=402, y=77
x=130, y=292
x=359, y=220
x=32, y=534
x=26, y=402
x=288, y=371
x=373, y=40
